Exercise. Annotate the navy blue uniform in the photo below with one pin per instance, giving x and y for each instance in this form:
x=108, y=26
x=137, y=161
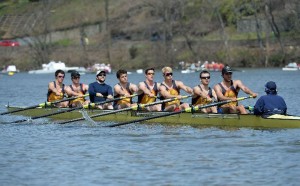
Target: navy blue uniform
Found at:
x=270, y=104
x=96, y=87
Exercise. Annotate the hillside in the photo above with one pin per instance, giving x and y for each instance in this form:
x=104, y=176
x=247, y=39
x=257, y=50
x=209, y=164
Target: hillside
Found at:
x=139, y=33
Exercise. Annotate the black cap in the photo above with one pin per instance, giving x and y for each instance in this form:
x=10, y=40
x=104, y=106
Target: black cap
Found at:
x=226, y=69
x=75, y=74
x=100, y=72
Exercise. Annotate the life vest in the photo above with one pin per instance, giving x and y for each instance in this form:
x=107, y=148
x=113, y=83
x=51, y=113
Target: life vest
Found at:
x=125, y=100
x=174, y=90
x=144, y=98
x=51, y=96
x=199, y=100
x=81, y=93
x=231, y=92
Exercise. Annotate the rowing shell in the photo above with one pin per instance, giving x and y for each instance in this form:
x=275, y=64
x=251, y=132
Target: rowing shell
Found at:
x=191, y=119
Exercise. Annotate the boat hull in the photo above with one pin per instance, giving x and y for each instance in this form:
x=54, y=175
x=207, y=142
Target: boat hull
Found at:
x=191, y=119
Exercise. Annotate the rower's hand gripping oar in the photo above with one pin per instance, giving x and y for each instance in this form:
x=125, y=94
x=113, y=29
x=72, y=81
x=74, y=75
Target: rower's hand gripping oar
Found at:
x=136, y=107
x=190, y=109
x=91, y=105
x=43, y=104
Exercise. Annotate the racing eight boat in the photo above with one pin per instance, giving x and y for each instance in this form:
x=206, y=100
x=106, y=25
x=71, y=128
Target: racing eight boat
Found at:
x=194, y=119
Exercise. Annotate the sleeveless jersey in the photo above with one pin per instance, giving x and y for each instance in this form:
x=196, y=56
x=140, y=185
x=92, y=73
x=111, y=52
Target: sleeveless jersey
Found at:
x=81, y=99
x=126, y=100
x=199, y=100
x=51, y=96
x=231, y=92
x=144, y=98
x=174, y=90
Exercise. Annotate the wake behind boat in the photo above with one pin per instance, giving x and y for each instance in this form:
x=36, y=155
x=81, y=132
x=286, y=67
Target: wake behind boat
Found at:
x=183, y=119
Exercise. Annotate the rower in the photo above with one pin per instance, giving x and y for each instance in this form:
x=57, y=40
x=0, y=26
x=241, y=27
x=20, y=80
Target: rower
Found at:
x=203, y=94
x=124, y=89
x=56, y=89
x=170, y=88
x=77, y=89
x=148, y=91
x=228, y=89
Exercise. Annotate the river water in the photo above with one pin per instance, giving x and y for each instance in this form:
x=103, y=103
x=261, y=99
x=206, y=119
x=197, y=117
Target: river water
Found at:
x=44, y=153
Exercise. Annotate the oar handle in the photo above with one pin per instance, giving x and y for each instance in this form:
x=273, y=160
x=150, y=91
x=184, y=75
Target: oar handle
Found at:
x=62, y=100
x=158, y=102
x=195, y=108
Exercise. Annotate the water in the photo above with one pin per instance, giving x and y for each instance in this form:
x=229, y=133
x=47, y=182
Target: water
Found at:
x=84, y=154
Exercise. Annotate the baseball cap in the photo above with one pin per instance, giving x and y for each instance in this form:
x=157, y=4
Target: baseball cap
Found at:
x=226, y=69
x=100, y=72
x=75, y=74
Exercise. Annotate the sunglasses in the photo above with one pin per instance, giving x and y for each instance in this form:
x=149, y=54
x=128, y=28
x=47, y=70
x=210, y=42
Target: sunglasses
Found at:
x=150, y=73
x=228, y=73
x=169, y=74
x=103, y=75
x=61, y=76
x=208, y=77
x=76, y=77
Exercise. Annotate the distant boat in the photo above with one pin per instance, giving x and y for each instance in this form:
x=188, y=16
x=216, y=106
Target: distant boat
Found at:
x=10, y=70
x=291, y=67
x=187, y=71
x=139, y=71
x=52, y=66
x=100, y=66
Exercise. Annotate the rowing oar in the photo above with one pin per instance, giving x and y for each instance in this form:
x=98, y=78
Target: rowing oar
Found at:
x=43, y=104
x=136, y=107
x=75, y=108
x=190, y=109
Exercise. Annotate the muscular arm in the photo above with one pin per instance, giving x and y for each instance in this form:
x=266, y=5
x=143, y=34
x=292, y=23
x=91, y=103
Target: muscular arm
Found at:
x=143, y=89
x=182, y=86
x=133, y=88
x=163, y=91
x=239, y=84
x=85, y=88
x=53, y=89
x=70, y=92
x=214, y=95
x=197, y=91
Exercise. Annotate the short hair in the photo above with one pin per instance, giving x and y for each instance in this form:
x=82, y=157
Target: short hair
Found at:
x=203, y=72
x=148, y=69
x=166, y=69
x=59, y=71
x=120, y=72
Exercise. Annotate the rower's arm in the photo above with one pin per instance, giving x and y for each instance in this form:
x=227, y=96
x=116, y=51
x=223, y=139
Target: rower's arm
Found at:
x=70, y=92
x=53, y=89
x=182, y=86
x=133, y=88
x=163, y=91
x=245, y=88
x=143, y=89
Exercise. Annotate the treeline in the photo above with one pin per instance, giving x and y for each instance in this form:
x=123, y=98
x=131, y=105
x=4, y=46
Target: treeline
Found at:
x=141, y=33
